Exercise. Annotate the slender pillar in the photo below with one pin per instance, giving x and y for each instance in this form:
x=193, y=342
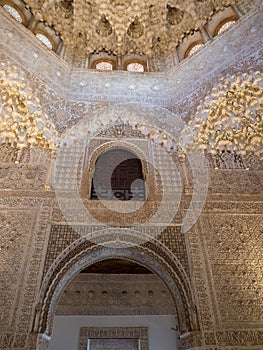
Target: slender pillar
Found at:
x=150, y=64
x=184, y=173
x=43, y=341
x=205, y=35
x=47, y=183
x=32, y=24
x=176, y=56
x=59, y=48
x=119, y=62
x=215, y=162
x=87, y=63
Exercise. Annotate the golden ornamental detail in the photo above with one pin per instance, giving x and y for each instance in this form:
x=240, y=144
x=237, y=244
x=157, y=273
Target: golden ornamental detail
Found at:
x=230, y=117
x=22, y=121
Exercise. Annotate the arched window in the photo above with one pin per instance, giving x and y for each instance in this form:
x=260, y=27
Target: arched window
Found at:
x=104, y=65
x=44, y=40
x=13, y=12
x=135, y=67
x=118, y=176
x=193, y=49
x=225, y=25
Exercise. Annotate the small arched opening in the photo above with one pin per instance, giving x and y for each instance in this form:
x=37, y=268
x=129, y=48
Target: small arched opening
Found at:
x=104, y=65
x=193, y=48
x=136, y=67
x=14, y=12
x=224, y=25
x=118, y=175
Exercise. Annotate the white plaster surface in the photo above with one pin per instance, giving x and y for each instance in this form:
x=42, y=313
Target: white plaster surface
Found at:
x=161, y=336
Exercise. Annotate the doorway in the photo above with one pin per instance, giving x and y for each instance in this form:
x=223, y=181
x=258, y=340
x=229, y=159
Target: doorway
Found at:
x=115, y=304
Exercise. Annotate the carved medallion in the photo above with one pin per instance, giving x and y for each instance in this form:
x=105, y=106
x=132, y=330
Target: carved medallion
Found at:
x=104, y=27
x=135, y=29
x=174, y=15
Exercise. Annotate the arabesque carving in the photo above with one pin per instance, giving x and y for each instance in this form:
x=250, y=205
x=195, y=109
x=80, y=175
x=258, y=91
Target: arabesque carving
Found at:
x=213, y=270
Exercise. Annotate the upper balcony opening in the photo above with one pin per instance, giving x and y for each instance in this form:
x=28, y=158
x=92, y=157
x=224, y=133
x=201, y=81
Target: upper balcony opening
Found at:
x=118, y=175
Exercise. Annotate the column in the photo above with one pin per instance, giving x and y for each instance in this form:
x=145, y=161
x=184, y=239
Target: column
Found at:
x=59, y=48
x=32, y=24
x=184, y=173
x=119, y=62
x=205, y=35
x=47, y=183
x=150, y=64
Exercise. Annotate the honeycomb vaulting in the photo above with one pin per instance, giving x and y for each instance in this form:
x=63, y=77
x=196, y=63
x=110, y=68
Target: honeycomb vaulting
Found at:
x=150, y=27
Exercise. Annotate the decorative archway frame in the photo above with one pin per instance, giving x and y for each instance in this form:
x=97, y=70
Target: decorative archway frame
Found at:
x=82, y=253
x=160, y=126
x=157, y=124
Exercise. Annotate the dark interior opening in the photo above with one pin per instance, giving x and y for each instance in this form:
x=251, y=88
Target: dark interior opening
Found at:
x=118, y=176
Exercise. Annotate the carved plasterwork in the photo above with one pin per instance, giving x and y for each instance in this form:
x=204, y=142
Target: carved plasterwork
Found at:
x=236, y=181
x=104, y=27
x=63, y=236
x=232, y=160
x=113, y=294
x=136, y=335
x=135, y=29
x=23, y=233
x=83, y=25
x=16, y=232
x=120, y=4
x=213, y=271
x=121, y=130
x=128, y=138
x=229, y=119
x=29, y=173
x=87, y=89
x=33, y=55
x=174, y=15
x=22, y=176
x=251, y=339
x=198, y=73
x=200, y=282
x=141, y=148
x=234, y=247
x=57, y=276
x=23, y=123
